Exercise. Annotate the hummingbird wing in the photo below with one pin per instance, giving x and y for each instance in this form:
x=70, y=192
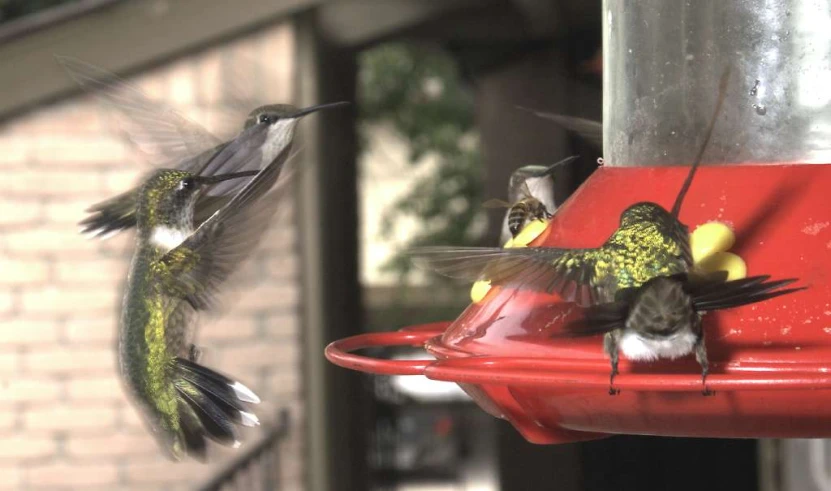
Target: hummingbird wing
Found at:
x=202, y=263
x=591, y=131
x=571, y=273
x=160, y=133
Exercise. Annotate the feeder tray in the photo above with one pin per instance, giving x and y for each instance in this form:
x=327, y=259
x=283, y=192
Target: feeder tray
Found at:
x=770, y=362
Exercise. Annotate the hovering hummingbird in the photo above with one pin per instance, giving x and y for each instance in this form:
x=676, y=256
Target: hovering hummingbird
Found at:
x=649, y=242
x=175, y=142
x=177, y=271
x=530, y=197
x=662, y=317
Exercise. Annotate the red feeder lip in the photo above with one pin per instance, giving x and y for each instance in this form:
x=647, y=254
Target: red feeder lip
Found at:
x=770, y=362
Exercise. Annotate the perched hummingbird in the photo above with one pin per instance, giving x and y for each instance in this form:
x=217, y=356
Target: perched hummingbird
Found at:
x=649, y=242
x=175, y=142
x=662, y=317
x=177, y=271
x=530, y=197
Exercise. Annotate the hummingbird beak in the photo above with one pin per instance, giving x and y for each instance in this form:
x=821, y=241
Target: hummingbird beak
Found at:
x=548, y=170
x=211, y=180
x=303, y=112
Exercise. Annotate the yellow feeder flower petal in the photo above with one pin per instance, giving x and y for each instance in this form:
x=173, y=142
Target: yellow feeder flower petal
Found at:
x=725, y=261
x=711, y=238
x=523, y=238
x=529, y=233
x=479, y=290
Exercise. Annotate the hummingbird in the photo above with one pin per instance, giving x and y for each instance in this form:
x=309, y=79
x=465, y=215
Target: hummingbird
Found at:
x=589, y=130
x=175, y=142
x=530, y=197
x=662, y=318
x=650, y=241
x=176, y=272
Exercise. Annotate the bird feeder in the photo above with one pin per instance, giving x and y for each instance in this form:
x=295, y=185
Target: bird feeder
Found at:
x=767, y=178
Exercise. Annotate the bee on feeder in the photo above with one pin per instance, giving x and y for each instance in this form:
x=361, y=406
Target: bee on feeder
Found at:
x=641, y=286
x=530, y=198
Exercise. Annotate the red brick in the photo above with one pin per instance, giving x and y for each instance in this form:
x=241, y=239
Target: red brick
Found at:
x=9, y=362
x=8, y=301
x=50, y=182
x=89, y=418
x=228, y=328
x=104, y=270
x=119, y=444
x=95, y=150
x=26, y=389
x=11, y=477
x=100, y=330
x=65, y=299
x=34, y=242
x=16, y=150
x=70, y=360
x=269, y=297
x=161, y=471
x=23, y=271
x=281, y=326
x=68, y=212
x=74, y=475
x=95, y=389
x=19, y=212
x=29, y=331
x=25, y=446
x=259, y=355
x=8, y=419
x=123, y=178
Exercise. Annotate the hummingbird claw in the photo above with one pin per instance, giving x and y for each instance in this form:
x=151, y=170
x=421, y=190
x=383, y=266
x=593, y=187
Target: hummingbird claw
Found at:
x=613, y=391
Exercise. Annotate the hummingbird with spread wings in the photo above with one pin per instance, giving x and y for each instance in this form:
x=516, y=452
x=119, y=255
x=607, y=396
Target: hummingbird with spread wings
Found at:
x=640, y=287
x=197, y=218
x=170, y=140
x=650, y=241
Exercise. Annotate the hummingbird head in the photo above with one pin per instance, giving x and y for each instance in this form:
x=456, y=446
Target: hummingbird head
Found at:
x=642, y=212
x=275, y=124
x=167, y=198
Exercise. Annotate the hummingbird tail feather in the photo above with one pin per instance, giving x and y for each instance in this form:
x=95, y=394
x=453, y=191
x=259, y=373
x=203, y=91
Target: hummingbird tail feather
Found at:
x=112, y=215
x=741, y=292
x=213, y=404
x=599, y=319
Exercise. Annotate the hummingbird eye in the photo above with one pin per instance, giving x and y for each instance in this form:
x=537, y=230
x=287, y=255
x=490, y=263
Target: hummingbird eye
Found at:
x=265, y=119
x=187, y=183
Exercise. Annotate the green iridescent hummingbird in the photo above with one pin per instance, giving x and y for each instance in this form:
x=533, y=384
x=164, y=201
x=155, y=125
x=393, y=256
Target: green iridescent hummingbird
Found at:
x=649, y=242
x=170, y=140
x=177, y=271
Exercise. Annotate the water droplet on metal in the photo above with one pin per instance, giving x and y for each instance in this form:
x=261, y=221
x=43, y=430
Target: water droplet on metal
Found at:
x=761, y=110
x=755, y=89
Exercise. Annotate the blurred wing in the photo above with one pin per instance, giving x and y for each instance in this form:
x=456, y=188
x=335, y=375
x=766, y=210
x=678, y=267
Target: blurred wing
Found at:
x=496, y=203
x=229, y=236
x=158, y=131
x=568, y=272
x=591, y=131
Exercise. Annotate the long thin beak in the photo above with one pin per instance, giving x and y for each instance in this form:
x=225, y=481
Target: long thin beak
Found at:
x=548, y=170
x=210, y=180
x=308, y=110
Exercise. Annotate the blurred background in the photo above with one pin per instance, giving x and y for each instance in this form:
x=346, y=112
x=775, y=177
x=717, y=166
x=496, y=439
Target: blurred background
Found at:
x=433, y=133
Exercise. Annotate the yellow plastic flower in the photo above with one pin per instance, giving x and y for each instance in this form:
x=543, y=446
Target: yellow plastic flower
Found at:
x=523, y=238
x=710, y=243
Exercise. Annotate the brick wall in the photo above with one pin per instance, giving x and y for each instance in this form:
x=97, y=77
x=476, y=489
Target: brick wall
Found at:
x=64, y=420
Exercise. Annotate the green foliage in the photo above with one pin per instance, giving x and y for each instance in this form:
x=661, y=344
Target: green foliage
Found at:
x=419, y=93
x=12, y=9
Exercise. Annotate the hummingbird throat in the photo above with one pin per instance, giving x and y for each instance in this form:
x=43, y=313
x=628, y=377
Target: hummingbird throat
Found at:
x=167, y=237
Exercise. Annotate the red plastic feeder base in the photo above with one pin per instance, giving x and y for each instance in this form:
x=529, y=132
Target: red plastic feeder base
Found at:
x=770, y=362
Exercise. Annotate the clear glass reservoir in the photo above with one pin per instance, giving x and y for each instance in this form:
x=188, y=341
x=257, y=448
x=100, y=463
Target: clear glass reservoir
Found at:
x=662, y=63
